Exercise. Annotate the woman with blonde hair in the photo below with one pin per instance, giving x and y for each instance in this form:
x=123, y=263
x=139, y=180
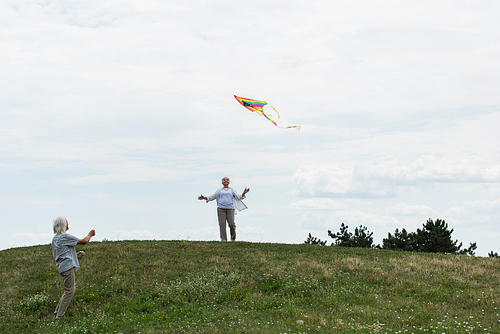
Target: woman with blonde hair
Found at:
x=64, y=252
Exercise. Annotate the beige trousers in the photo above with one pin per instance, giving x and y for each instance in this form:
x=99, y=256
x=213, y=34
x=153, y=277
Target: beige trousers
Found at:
x=226, y=215
x=69, y=291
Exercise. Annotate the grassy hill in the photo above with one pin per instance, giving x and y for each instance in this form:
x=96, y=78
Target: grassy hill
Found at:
x=240, y=287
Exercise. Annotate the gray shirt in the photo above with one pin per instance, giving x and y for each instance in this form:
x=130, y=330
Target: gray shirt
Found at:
x=64, y=252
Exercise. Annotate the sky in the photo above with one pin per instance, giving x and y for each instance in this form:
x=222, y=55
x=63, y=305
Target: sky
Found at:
x=119, y=114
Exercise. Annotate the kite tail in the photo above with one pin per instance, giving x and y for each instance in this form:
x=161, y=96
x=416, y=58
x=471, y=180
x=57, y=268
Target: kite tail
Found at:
x=286, y=127
x=291, y=127
x=270, y=120
x=282, y=127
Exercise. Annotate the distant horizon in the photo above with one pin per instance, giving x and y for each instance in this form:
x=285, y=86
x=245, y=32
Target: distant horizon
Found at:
x=328, y=244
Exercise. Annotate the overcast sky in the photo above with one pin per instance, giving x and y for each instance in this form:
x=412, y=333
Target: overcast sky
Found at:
x=118, y=114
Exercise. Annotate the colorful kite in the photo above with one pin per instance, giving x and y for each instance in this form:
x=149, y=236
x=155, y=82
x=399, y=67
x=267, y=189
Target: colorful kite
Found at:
x=258, y=107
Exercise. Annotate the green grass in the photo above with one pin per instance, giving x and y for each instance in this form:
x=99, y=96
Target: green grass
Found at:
x=240, y=287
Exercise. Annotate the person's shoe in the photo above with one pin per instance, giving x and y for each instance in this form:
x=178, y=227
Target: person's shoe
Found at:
x=59, y=318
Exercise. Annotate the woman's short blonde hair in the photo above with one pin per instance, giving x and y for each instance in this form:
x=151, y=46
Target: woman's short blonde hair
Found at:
x=60, y=225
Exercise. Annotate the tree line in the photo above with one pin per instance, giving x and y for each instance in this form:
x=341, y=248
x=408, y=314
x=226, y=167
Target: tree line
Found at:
x=433, y=237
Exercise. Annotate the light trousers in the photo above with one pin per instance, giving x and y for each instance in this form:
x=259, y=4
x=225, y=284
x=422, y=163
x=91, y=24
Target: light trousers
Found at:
x=69, y=291
x=226, y=215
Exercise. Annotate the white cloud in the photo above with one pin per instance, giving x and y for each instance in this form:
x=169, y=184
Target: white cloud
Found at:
x=313, y=219
x=98, y=195
x=413, y=210
x=483, y=206
x=252, y=231
x=357, y=217
x=474, y=212
x=134, y=235
x=141, y=172
x=431, y=168
x=317, y=204
x=386, y=177
x=332, y=179
x=351, y=217
x=42, y=237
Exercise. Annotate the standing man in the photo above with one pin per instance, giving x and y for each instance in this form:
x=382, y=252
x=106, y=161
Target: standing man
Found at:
x=227, y=200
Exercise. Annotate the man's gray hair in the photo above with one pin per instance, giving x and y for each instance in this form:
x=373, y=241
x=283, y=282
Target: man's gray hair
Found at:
x=60, y=225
